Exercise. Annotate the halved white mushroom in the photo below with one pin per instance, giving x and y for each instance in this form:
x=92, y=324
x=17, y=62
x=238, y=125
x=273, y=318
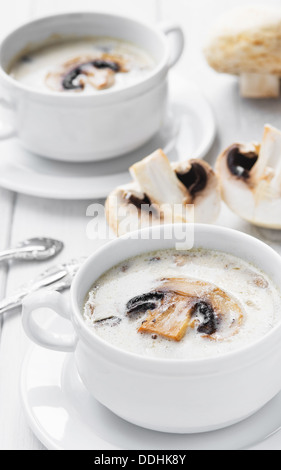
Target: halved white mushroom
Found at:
x=250, y=179
x=164, y=193
x=247, y=42
x=97, y=71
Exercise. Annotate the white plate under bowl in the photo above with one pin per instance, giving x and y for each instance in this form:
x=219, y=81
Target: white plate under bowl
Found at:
x=188, y=132
x=64, y=416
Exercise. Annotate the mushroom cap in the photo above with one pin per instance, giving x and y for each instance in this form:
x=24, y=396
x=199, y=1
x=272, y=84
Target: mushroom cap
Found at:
x=246, y=40
x=248, y=192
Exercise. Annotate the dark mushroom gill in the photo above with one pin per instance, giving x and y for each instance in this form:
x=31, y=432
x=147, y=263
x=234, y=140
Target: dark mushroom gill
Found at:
x=207, y=318
x=143, y=303
x=143, y=203
x=239, y=163
x=137, y=201
x=69, y=78
x=195, y=180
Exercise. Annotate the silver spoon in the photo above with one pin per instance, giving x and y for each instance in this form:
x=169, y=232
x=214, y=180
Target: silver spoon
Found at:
x=58, y=278
x=35, y=249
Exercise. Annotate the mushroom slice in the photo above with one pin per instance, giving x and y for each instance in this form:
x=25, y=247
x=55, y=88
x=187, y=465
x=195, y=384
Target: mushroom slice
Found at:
x=143, y=303
x=170, y=320
x=246, y=42
x=110, y=321
x=164, y=193
x=202, y=185
x=195, y=304
x=73, y=75
x=101, y=79
x=250, y=179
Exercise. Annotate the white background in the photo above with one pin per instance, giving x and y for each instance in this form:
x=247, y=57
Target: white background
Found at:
x=22, y=216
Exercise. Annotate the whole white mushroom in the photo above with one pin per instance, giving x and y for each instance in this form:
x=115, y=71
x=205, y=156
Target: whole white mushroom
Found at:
x=247, y=42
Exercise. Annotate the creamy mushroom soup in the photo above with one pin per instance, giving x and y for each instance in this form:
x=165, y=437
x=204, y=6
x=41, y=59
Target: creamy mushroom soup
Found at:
x=185, y=305
x=87, y=65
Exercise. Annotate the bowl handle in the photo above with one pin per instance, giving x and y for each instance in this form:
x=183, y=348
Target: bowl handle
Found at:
x=178, y=46
x=46, y=338
x=6, y=131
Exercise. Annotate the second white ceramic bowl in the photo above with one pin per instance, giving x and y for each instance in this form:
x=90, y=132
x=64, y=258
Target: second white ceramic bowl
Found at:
x=76, y=127
x=179, y=396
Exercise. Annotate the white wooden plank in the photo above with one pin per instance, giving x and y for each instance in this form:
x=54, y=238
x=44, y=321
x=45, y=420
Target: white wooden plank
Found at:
x=6, y=213
x=14, y=13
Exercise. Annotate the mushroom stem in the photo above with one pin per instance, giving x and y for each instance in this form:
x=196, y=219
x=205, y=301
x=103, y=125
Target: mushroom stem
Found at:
x=255, y=85
x=156, y=178
x=269, y=157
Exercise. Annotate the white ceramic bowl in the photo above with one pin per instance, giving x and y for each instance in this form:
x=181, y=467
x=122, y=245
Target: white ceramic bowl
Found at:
x=179, y=396
x=77, y=127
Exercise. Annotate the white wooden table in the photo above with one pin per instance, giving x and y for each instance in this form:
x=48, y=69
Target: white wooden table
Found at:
x=22, y=216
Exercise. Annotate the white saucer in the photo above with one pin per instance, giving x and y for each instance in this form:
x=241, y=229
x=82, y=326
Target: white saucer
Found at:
x=188, y=132
x=64, y=416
